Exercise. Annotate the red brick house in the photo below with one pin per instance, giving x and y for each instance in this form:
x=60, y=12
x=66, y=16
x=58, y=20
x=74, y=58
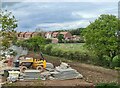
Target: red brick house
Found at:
x=48, y=35
x=21, y=34
x=28, y=35
x=67, y=35
x=55, y=34
x=35, y=34
x=18, y=34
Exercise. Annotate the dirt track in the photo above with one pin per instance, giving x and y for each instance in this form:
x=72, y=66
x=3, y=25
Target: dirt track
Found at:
x=92, y=74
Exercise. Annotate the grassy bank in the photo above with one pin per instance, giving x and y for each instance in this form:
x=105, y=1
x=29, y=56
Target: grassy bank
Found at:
x=76, y=51
x=70, y=47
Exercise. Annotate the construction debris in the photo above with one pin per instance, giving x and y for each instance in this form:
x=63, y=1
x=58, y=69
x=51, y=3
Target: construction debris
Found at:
x=31, y=74
x=64, y=71
x=49, y=67
x=13, y=76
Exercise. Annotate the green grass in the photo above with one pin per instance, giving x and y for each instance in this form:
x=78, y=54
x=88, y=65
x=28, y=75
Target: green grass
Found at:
x=70, y=47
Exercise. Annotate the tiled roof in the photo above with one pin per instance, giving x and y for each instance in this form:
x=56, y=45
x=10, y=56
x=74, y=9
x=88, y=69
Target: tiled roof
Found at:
x=63, y=32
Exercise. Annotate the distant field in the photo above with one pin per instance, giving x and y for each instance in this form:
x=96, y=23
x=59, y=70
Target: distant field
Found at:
x=70, y=47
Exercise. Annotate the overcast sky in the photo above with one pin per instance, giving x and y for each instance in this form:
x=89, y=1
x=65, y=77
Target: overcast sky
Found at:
x=54, y=14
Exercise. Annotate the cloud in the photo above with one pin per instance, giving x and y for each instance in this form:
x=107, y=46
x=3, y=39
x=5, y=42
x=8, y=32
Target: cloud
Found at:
x=66, y=25
x=55, y=16
x=60, y=0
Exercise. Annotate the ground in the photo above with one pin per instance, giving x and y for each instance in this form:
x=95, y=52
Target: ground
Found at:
x=92, y=75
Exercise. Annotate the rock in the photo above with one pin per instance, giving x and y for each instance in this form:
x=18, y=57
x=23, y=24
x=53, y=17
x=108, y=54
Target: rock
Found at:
x=49, y=65
x=64, y=71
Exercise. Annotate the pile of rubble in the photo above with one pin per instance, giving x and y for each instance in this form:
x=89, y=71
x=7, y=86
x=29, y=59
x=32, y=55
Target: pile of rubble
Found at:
x=62, y=72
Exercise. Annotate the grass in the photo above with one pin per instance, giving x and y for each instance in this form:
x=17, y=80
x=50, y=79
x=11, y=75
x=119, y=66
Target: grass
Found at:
x=70, y=47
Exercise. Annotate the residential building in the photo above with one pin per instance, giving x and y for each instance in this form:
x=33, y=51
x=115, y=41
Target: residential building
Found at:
x=55, y=34
x=67, y=35
x=28, y=35
x=48, y=35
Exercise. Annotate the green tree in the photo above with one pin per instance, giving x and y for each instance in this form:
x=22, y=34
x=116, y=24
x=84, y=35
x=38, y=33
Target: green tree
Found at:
x=8, y=24
x=33, y=44
x=60, y=38
x=77, y=31
x=100, y=36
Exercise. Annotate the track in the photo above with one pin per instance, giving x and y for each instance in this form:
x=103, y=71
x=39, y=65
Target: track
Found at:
x=92, y=74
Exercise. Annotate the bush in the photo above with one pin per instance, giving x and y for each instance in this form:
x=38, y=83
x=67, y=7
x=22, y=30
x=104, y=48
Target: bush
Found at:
x=48, y=41
x=48, y=49
x=42, y=48
x=106, y=61
x=107, y=85
x=116, y=61
x=77, y=55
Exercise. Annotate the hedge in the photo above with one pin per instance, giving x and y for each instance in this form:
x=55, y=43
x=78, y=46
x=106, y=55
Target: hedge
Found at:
x=66, y=54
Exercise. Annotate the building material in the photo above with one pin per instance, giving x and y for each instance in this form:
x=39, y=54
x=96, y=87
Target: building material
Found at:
x=31, y=74
x=64, y=71
x=13, y=76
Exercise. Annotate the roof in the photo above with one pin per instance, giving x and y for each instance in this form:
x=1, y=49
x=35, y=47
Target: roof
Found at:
x=64, y=33
x=55, y=32
x=22, y=33
x=48, y=33
x=18, y=33
x=29, y=33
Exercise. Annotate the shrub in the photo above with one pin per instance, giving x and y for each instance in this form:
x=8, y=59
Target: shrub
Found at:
x=107, y=85
x=116, y=61
x=48, y=49
x=42, y=49
x=48, y=41
x=106, y=60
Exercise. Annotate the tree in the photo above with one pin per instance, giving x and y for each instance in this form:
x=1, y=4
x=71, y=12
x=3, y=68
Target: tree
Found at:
x=100, y=36
x=76, y=31
x=8, y=25
x=60, y=38
x=33, y=44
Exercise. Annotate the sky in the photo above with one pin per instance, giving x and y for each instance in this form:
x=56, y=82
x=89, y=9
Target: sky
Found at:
x=50, y=15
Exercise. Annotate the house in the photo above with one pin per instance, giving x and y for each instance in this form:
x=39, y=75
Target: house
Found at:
x=18, y=34
x=48, y=35
x=35, y=34
x=67, y=35
x=28, y=35
x=55, y=34
x=75, y=38
x=21, y=35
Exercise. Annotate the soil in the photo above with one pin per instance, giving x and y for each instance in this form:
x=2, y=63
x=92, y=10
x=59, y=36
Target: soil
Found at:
x=92, y=75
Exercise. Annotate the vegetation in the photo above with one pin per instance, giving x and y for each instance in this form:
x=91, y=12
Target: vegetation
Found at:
x=107, y=85
x=7, y=33
x=69, y=47
x=32, y=44
x=77, y=31
x=60, y=38
x=101, y=40
x=68, y=51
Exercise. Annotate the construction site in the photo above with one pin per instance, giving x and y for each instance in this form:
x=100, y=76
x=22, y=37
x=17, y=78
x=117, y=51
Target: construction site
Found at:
x=35, y=69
